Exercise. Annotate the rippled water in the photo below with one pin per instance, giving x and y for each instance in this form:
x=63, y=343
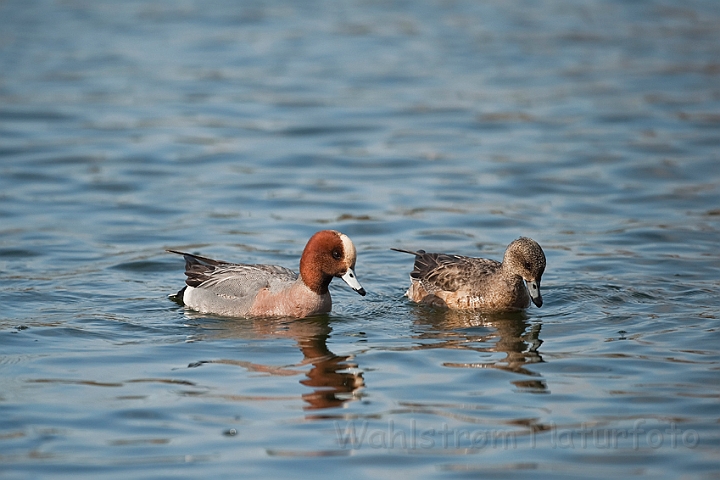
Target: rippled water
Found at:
x=237, y=129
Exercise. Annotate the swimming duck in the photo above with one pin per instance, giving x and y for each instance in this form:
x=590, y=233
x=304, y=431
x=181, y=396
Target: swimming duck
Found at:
x=467, y=283
x=242, y=290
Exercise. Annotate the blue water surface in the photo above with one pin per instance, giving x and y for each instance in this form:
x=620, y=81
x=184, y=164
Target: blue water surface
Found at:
x=238, y=129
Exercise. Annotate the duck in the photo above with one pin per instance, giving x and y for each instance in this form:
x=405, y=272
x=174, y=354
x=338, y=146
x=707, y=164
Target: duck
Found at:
x=245, y=290
x=468, y=283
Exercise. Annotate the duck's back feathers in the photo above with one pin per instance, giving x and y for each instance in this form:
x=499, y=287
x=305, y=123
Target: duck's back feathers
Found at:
x=441, y=271
x=232, y=279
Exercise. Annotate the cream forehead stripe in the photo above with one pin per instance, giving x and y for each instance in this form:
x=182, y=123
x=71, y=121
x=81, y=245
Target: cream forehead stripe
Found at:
x=349, y=248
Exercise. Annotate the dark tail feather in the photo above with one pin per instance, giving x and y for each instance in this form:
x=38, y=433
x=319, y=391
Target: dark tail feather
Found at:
x=422, y=259
x=197, y=268
x=189, y=257
x=417, y=254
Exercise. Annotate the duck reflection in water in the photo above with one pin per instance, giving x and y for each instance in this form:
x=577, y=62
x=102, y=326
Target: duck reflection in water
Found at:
x=508, y=332
x=333, y=379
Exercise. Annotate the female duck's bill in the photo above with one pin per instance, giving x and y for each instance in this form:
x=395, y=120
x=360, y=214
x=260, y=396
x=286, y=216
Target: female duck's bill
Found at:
x=243, y=290
x=466, y=283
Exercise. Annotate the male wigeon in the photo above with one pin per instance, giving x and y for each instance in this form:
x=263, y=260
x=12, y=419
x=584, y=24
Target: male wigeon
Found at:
x=241, y=290
x=465, y=283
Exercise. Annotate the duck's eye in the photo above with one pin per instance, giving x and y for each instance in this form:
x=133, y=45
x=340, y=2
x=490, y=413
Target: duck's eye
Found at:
x=336, y=254
x=527, y=265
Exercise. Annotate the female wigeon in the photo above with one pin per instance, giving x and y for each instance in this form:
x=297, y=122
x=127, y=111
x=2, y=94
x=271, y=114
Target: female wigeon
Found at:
x=241, y=290
x=465, y=283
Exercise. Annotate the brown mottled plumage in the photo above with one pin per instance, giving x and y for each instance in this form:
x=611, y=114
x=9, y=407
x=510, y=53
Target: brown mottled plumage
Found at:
x=465, y=283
